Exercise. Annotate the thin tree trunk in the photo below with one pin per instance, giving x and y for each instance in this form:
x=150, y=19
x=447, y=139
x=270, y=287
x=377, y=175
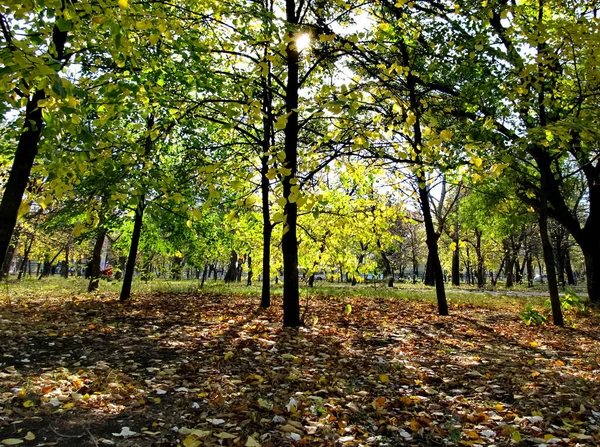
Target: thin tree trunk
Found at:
x=569, y=269
x=133, y=248
x=24, y=264
x=95, y=262
x=204, y=273
x=10, y=253
x=250, y=272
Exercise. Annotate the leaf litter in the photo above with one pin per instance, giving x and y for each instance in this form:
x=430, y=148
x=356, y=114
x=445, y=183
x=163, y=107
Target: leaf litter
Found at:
x=206, y=369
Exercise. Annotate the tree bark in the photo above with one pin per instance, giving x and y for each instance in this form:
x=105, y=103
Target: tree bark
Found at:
x=289, y=240
x=456, y=267
x=25, y=154
x=569, y=269
x=557, y=316
x=231, y=274
x=133, y=248
x=95, y=262
x=429, y=279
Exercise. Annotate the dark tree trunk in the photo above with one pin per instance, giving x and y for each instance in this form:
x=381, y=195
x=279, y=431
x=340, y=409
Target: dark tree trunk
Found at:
x=431, y=239
x=387, y=268
x=10, y=253
x=510, y=268
x=311, y=280
x=429, y=278
x=560, y=257
x=65, y=271
x=529, y=263
x=265, y=297
x=204, y=273
x=21, y=169
x=133, y=249
x=231, y=274
x=456, y=267
x=250, y=272
x=592, y=270
x=48, y=264
x=495, y=279
x=176, y=268
x=24, y=264
x=240, y=270
x=95, y=262
x=27, y=149
x=518, y=272
x=557, y=316
x=569, y=269
x=480, y=263
x=289, y=240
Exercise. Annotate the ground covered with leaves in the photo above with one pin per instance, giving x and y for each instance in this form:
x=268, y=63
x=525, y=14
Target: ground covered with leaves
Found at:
x=208, y=369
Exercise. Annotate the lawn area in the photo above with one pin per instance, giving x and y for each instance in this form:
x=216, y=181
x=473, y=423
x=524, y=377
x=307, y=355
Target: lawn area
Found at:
x=182, y=366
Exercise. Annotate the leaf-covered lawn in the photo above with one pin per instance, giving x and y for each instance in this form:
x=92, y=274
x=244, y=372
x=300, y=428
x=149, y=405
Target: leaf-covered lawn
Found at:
x=209, y=370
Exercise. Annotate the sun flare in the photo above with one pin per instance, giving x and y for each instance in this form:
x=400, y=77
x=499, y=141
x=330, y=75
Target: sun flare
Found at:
x=302, y=42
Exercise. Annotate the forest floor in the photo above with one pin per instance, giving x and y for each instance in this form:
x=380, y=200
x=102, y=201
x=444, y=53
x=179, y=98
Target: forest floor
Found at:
x=209, y=369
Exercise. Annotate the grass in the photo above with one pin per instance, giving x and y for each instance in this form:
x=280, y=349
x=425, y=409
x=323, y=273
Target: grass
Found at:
x=464, y=295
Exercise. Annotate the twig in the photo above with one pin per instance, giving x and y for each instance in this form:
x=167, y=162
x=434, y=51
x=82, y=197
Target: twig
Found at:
x=91, y=436
x=63, y=436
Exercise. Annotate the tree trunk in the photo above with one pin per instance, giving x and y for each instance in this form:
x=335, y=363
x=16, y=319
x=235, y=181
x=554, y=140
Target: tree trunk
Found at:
x=95, y=262
x=557, y=316
x=569, y=269
x=387, y=268
x=25, y=154
x=529, y=262
x=231, y=274
x=24, y=264
x=10, y=253
x=289, y=240
x=133, y=248
x=46, y=268
x=204, y=273
x=429, y=278
x=21, y=169
x=510, y=268
x=480, y=263
x=250, y=272
x=592, y=270
x=65, y=271
x=456, y=266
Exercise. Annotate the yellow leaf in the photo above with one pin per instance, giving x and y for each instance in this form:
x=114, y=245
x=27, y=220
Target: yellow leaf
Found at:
x=69, y=405
x=28, y=403
x=535, y=374
x=228, y=355
x=533, y=344
x=12, y=441
x=281, y=122
x=251, y=442
x=499, y=407
x=548, y=437
x=124, y=4
x=23, y=209
x=191, y=441
x=516, y=436
x=153, y=39
x=189, y=223
x=446, y=134
x=29, y=436
x=384, y=378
